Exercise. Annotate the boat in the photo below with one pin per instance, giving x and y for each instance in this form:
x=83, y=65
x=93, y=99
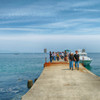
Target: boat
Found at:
x=84, y=59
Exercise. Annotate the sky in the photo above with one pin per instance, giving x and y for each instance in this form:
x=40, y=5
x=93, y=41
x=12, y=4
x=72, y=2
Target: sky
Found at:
x=32, y=25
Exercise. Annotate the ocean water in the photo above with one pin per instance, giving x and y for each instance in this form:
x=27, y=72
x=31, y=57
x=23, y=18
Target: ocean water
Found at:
x=95, y=65
x=17, y=69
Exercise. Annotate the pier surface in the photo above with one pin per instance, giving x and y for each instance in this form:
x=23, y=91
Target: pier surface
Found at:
x=57, y=82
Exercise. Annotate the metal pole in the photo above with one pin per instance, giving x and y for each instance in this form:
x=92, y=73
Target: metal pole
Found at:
x=45, y=51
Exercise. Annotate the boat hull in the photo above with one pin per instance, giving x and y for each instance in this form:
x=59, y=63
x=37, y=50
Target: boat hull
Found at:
x=85, y=62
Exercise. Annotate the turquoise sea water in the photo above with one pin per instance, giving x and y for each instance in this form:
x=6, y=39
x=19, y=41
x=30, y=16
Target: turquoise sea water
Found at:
x=17, y=69
x=95, y=65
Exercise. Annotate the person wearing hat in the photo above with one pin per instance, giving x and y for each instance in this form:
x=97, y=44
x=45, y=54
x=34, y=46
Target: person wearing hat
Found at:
x=71, y=59
x=76, y=58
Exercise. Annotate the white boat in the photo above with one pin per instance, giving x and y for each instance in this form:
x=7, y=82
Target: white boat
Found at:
x=84, y=59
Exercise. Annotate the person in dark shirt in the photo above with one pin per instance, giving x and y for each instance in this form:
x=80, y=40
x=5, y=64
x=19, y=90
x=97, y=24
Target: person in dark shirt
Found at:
x=50, y=57
x=71, y=59
x=76, y=59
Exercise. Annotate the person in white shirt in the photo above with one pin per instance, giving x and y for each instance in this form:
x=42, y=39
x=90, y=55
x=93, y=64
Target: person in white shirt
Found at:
x=62, y=55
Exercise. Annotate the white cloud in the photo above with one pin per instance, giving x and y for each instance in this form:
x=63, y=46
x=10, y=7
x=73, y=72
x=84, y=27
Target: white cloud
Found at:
x=16, y=21
x=45, y=10
x=36, y=43
x=63, y=24
x=74, y=5
x=87, y=10
x=20, y=29
x=28, y=10
x=81, y=26
x=82, y=20
x=46, y=37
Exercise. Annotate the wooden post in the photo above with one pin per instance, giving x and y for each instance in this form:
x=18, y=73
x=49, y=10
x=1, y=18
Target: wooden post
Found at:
x=30, y=83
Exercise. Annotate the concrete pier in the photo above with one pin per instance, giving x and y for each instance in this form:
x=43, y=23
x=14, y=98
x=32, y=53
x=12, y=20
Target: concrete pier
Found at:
x=57, y=82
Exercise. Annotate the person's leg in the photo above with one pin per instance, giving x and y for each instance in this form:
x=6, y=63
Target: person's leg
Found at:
x=62, y=58
x=50, y=59
x=57, y=58
x=54, y=57
x=75, y=64
x=78, y=65
x=72, y=65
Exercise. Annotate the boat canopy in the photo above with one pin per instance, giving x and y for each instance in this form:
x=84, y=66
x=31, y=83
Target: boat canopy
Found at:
x=67, y=51
x=83, y=54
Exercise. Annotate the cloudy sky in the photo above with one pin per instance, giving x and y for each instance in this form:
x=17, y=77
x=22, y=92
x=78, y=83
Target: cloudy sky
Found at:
x=32, y=25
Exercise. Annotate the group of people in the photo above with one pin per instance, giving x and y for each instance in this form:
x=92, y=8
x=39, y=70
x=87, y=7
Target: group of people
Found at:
x=71, y=57
x=74, y=57
x=58, y=56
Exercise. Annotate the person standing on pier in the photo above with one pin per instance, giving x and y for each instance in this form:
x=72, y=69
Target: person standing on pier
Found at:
x=54, y=56
x=58, y=56
x=50, y=57
x=76, y=58
x=62, y=55
x=71, y=59
x=66, y=58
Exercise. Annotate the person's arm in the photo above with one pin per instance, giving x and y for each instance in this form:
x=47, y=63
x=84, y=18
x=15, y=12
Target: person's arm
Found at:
x=74, y=58
x=79, y=58
x=69, y=57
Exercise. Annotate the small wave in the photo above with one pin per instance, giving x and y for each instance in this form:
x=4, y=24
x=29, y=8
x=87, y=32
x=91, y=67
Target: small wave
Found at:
x=11, y=90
